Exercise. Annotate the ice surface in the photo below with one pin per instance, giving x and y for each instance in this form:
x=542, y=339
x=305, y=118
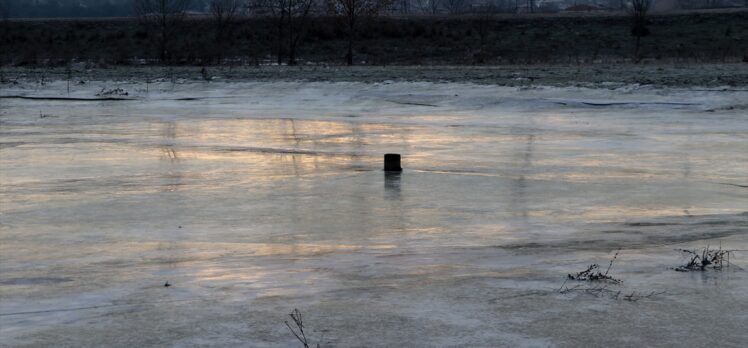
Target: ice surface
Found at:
x=252, y=199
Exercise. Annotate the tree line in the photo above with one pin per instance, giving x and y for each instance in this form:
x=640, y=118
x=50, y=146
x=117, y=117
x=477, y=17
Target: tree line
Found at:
x=348, y=31
x=124, y=8
x=164, y=18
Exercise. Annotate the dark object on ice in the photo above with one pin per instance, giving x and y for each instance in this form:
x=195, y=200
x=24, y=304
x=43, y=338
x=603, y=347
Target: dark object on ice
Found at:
x=392, y=162
x=166, y=285
x=204, y=73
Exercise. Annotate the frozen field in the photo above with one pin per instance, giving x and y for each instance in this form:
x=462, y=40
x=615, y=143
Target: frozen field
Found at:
x=255, y=198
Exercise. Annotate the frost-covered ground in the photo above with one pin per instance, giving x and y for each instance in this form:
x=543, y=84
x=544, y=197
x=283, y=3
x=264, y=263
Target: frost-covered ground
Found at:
x=732, y=76
x=255, y=198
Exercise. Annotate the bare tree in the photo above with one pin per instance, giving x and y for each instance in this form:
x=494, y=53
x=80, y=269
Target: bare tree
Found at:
x=485, y=19
x=429, y=6
x=163, y=16
x=352, y=11
x=4, y=10
x=298, y=12
x=291, y=18
x=274, y=9
x=639, y=9
x=224, y=14
x=455, y=6
x=4, y=14
x=402, y=6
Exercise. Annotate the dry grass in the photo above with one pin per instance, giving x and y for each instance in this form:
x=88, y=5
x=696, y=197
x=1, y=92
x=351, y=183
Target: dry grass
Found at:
x=592, y=273
x=704, y=259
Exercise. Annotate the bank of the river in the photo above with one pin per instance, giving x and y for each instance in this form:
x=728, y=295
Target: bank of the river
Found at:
x=686, y=75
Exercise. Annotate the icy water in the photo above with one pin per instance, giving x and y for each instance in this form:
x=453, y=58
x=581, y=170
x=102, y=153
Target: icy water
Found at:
x=252, y=199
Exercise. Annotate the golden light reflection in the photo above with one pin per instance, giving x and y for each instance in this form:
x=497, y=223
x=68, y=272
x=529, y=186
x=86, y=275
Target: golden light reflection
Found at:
x=201, y=250
x=280, y=132
x=215, y=154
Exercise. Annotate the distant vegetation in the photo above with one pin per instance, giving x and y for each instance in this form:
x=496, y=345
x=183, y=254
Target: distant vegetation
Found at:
x=124, y=8
x=287, y=32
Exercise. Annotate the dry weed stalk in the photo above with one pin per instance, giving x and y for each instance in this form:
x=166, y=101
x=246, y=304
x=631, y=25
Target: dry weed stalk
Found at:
x=299, y=331
x=601, y=290
x=705, y=258
x=596, y=291
x=634, y=296
x=591, y=275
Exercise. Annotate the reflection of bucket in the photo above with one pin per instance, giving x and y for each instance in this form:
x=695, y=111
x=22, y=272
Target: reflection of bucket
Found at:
x=392, y=184
x=392, y=162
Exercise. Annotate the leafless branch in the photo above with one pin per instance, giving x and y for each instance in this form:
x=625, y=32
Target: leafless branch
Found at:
x=164, y=16
x=639, y=9
x=636, y=296
x=224, y=12
x=352, y=11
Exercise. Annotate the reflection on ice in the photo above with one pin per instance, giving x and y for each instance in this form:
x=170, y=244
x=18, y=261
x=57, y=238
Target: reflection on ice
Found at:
x=392, y=184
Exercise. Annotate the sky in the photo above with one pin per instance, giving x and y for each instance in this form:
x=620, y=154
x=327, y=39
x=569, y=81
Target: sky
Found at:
x=76, y=8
